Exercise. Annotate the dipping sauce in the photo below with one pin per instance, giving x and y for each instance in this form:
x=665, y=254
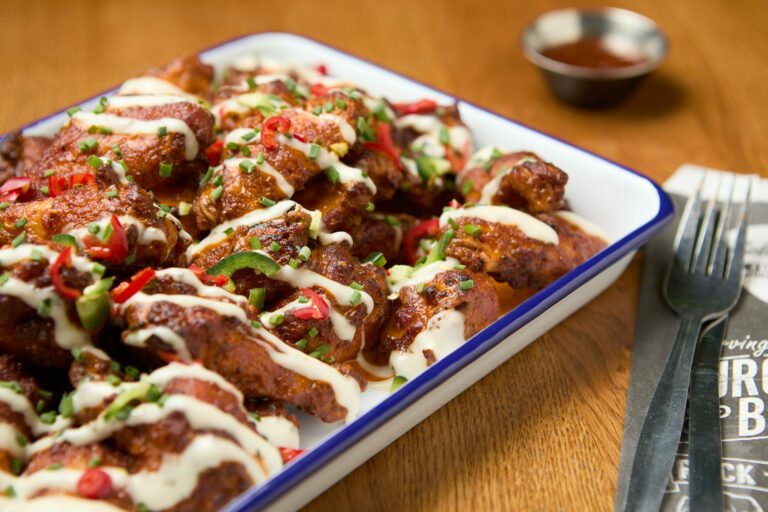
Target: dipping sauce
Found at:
x=590, y=53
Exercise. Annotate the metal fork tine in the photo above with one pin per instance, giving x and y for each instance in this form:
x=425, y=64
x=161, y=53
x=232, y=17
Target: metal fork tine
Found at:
x=736, y=263
x=720, y=250
x=686, y=233
x=703, y=250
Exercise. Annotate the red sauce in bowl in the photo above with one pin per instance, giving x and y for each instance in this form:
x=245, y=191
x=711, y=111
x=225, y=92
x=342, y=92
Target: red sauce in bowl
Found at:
x=590, y=53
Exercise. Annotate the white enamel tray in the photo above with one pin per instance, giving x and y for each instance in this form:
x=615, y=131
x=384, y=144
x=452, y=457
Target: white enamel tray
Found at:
x=627, y=205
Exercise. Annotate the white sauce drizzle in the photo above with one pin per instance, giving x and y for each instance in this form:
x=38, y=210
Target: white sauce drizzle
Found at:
x=168, y=336
x=282, y=184
x=19, y=403
x=342, y=327
x=423, y=275
x=151, y=100
x=443, y=335
x=146, y=235
x=529, y=225
x=130, y=126
x=279, y=431
x=153, y=85
x=59, y=503
x=483, y=156
x=8, y=434
x=304, y=278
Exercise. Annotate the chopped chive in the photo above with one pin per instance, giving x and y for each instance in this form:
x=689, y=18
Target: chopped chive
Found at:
x=332, y=174
x=355, y=285
x=232, y=146
x=207, y=176
x=256, y=297
x=40, y=406
x=163, y=398
x=166, y=168
x=466, y=187
x=247, y=166
x=19, y=240
x=124, y=413
x=370, y=207
x=340, y=103
x=267, y=201
x=217, y=192
x=114, y=380
x=10, y=492
x=21, y=440
x=255, y=324
x=472, y=230
x=248, y=136
x=459, y=266
x=420, y=288
x=317, y=110
x=114, y=366
x=132, y=371
x=293, y=263
x=94, y=162
x=88, y=144
x=16, y=466
x=255, y=243
x=366, y=133
x=304, y=253
x=66, y=407
x=111, y=194
x=49, y=173
x=162, y=131
x=93, y=228
x=328, y=106
x=4, y=205
x=466, y=285
x=302, y=299
x=260, y=158
x=245, y=150
x=301, y=344
x=21, y=223
x=445, y=136
x=377, y=259
x=391, y=220
x=274, y=247
x=218, y=180
x=184, y=208
x=44, y=309
x=398, y=381
x=314, y=151
x=313, y=332
x=99, y=269
x=4, y=277
x=276, y=320
x=320, y=351
x=74, y=110
x=48, y=417
x=355, y=298
x=229, y=231
x=251, y=82
x=44, y=393
x=94, y=462
x=11, y=384
x=117, y=151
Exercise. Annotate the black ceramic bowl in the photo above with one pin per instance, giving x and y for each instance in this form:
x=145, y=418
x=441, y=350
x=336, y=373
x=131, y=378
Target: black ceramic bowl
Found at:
x=623, y=32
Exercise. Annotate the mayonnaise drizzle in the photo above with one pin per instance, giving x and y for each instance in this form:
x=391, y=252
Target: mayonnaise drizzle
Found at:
x=151, y=100
x=19, y=403
x=424, y=274
x=443, y=335
x=130, y=126
x=529, y=225
x=168, y=336
x=265, y=167
x=153, y=85
x=279, y=431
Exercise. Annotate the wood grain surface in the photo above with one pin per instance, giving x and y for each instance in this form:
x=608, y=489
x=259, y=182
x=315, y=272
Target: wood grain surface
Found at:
x=543, y=431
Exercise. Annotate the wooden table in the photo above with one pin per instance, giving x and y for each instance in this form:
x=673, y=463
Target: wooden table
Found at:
x=543, y=431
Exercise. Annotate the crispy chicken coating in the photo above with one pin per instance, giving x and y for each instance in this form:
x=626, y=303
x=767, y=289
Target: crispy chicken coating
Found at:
x=19, y=154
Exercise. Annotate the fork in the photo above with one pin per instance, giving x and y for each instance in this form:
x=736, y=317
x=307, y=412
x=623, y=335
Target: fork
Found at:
x=703, y=282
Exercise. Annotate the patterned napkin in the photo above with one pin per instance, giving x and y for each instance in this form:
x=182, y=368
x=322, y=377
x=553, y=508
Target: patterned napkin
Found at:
x=743, y=363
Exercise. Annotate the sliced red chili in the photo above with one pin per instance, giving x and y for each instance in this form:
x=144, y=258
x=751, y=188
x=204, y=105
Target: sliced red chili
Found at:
x=317, y=311
x=64, y=259
x=57, y=185
x=213, y=153
x=114, y=249
x=219, y=280
x=128, y=289
x=288, y=454
x=417, y=107
x=428, y=228
x=318, y=90
x=14, y=188
x=81, y=178
x=385, y=144
x=299, y=138
x=94, y=484
x=322, y=69
x=457, y=159
x=271, y=127
x=454, y=204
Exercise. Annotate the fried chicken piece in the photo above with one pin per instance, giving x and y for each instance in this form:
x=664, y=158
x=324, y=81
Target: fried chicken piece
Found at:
x=381, y=233
x=180, y=418
x=151, y=236
x=190, y=321
x=141, y=137
x=520, y=180
x=188, y=74
x=380, y=166
x=522, y=250
x=420, y=307
x=38, y=323
x=232, y=103
x=342, y=204
x=19, y=154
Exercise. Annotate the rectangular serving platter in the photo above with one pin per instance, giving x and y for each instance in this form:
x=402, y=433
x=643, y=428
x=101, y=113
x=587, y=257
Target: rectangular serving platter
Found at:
x=629, y=207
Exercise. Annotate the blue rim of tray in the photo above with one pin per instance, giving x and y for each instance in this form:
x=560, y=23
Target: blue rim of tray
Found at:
x=479, y=344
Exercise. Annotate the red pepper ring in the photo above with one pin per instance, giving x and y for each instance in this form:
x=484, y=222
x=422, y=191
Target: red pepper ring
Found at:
x=128, y=289
x=64, y=259
x=411, y=238
x=114, y=249
x=288, y=454
x=271, y=127
x=317, y=311
x=318, y=90
x=417, y=107
x=322, y=69
x=94, y=484
x=213, y=153
x=81, y=178
x=56, y=185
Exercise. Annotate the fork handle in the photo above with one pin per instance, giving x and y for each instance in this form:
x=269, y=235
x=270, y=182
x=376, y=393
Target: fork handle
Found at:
x=704, y=445
x=660, y=435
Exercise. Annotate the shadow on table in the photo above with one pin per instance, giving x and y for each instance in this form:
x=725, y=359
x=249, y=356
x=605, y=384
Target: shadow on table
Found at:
x=660, y=95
